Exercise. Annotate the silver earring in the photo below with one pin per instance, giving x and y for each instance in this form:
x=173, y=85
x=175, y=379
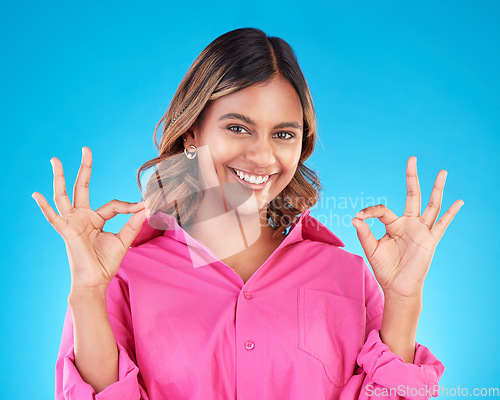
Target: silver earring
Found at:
x=191, y=154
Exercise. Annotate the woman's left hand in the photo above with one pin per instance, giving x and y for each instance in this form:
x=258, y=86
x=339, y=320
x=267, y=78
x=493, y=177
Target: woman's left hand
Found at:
x=401, y=258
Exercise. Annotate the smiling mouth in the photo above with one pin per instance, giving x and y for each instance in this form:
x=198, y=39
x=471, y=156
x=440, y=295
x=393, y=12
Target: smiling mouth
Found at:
x=254, y=186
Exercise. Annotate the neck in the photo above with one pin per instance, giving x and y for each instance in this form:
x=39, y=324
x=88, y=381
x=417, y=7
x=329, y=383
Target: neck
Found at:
x=230, y=233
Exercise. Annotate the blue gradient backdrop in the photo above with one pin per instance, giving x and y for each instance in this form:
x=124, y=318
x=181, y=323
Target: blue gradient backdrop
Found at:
x=389, y=79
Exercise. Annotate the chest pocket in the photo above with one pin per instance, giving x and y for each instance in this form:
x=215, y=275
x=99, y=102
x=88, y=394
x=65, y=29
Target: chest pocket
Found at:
x=332, y=330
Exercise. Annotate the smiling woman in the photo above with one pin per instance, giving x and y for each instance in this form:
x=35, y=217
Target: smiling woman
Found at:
x=242, y=78
x=255, y=157
x=229, y=288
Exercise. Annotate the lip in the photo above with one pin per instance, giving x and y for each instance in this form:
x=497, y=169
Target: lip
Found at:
x=252, y=186
x=253, y=173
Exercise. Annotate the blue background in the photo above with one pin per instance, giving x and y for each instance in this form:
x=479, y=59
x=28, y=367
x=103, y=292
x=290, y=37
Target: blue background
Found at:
x=389, y=79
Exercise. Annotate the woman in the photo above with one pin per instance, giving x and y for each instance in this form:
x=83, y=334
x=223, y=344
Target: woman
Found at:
x=229, y=288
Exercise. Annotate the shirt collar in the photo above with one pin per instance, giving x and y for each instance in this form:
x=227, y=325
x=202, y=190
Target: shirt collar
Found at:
x=306, y=227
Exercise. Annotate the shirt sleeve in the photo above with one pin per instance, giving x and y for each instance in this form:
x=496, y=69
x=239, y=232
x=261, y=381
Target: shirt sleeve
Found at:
x=381, y=374
x=69, y=383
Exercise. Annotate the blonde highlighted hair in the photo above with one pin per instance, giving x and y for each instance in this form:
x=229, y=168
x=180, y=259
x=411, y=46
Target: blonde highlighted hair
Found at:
x=233, y=61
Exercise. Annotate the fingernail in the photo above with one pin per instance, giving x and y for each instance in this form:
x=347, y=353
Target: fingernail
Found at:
x=359, y=213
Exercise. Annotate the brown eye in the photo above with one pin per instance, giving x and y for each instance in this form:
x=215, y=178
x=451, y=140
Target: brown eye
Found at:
x=291, y=135
x=237, y=127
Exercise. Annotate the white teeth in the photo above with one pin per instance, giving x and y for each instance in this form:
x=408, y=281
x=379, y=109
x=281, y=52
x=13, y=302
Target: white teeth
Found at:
x=251, y=178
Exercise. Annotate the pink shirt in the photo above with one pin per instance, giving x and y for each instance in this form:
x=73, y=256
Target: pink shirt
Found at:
x=304, y=326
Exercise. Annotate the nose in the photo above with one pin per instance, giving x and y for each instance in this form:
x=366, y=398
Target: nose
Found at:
x=261, y=153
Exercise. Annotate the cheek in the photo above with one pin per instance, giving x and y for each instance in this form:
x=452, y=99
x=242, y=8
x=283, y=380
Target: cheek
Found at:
x=290, y=160
x=220, y=154
x=221, y=149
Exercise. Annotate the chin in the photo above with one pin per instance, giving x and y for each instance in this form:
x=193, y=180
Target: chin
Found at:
x=252, y=207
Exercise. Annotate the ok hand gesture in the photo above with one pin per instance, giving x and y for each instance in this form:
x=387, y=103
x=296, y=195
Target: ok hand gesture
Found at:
x=401, y=258
x=94, y=255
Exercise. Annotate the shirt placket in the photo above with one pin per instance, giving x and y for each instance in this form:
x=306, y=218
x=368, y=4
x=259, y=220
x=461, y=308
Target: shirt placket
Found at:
x=247, y=345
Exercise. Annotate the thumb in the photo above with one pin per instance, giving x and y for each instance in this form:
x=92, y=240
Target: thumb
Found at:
x=130, y=230
x=365, y=236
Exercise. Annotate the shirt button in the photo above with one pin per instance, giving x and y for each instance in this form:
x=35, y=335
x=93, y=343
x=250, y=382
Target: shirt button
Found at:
x=247, y=295
x=249, y=345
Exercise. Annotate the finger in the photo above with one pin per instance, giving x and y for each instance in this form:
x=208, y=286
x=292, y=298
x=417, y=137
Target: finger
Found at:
x=130, y=230
x=412, y=207
x=365, y=236
x=440, y=227
x=81, y=188
x=380, y=211
x=54, y=219
x=114, y=207
x=61, y=198
x=431, y=212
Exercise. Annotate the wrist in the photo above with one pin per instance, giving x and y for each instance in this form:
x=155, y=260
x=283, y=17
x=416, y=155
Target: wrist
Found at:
x=396, y=298
x=399, y=325
x=84, y=295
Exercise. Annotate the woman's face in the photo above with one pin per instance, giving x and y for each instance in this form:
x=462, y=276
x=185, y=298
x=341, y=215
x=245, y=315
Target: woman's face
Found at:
x=256, y=131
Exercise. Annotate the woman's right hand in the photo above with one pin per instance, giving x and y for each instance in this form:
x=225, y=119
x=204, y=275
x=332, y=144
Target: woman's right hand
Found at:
x=94, y=255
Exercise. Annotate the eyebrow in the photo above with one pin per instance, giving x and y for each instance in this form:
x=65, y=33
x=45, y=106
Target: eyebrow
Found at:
x=250, y=121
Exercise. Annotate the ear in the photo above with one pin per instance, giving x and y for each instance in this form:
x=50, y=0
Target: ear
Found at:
x=192, y=136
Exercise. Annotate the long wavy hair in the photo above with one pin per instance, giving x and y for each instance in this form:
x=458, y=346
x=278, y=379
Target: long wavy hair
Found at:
x=233, y=61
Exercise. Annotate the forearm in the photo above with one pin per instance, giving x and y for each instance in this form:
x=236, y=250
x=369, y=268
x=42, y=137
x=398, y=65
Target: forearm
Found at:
x=95, y=349
x=399, y=325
